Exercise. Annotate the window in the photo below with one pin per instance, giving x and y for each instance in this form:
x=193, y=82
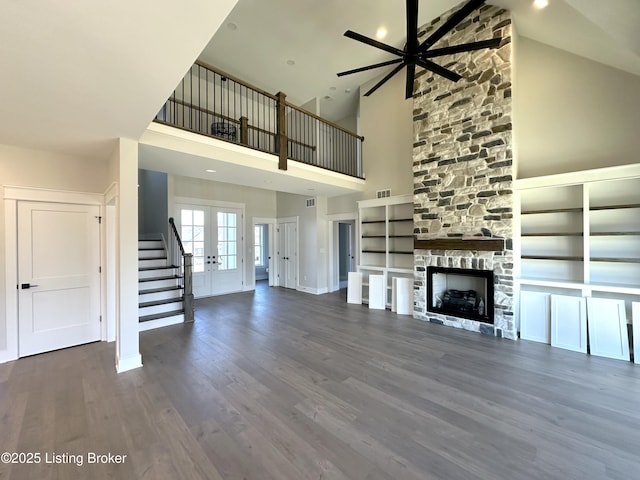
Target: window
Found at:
x=227, y=241
x=192, y=234
x=258, y=245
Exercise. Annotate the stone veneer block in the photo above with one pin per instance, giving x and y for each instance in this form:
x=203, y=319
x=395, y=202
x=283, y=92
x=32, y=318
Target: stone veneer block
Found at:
x=463, y=163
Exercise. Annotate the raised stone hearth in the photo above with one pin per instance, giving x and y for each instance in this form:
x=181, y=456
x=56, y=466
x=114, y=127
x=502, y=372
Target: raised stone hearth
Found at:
x=463, y=166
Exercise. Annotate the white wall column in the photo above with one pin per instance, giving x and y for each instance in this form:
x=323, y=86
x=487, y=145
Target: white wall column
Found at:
x=127, y=335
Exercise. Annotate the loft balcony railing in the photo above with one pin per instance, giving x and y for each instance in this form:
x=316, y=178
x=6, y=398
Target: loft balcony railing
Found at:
x=210, y=102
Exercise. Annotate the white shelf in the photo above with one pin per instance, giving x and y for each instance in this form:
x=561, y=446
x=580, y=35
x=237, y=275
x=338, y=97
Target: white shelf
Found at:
x=386, y=240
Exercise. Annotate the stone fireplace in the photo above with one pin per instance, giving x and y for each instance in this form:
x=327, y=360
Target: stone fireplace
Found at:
x=461, y=293
x=463, y=173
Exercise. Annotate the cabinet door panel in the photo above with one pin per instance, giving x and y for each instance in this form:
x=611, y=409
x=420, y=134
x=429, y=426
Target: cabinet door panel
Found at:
x=608, y=335
x=534, y=316
x=569, y=323
x=635, y=319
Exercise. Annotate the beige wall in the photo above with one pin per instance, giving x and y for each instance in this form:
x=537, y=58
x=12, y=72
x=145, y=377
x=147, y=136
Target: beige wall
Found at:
x=309, y=262
x=35, y=168
x=571, y=113
x=386, y=121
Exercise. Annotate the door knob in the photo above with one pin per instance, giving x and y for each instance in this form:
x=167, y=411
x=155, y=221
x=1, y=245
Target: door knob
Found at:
x=26, y=286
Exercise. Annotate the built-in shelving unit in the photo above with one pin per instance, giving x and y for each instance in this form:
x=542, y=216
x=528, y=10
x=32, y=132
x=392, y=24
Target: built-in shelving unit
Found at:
x=580, y=237
x=386, y=242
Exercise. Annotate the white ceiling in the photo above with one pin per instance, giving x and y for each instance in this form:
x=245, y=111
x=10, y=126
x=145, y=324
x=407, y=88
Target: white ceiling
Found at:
x=76, y=75
x=310, y=32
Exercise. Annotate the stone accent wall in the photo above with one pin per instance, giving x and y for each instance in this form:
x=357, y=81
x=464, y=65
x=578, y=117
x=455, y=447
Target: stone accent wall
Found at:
x=462, y=162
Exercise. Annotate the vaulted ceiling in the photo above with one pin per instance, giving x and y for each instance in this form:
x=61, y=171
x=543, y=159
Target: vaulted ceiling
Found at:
x=259, y=37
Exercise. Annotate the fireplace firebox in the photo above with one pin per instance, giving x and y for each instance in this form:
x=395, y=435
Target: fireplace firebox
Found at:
x=460, y=293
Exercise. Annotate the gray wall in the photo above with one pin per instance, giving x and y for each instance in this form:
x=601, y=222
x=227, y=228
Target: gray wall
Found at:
x=152, y=202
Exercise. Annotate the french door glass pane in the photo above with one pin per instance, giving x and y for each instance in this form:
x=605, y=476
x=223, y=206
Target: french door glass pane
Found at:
x=227, y=256
x=192, y=233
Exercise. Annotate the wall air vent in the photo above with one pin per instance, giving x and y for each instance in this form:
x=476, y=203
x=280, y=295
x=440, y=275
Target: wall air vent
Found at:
x=311, y=202
x=383, y=193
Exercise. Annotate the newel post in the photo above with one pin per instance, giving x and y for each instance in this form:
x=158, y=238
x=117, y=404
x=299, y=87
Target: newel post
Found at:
x=244, y=130
x=281, y=130
x=188, y=288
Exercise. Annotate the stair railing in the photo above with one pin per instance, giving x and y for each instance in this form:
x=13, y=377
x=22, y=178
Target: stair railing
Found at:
x=185, y=261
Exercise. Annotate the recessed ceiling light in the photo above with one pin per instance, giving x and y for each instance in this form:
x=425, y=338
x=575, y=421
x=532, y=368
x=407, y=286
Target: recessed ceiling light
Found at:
x=347, y=90
x=232, y=26
x=540, y=3
x=328, y=98
x=332, y=88
x=291, y=62
x=210, y=171
x=381, y=33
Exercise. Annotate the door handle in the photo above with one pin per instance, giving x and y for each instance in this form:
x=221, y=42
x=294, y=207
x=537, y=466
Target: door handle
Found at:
x=26, y=286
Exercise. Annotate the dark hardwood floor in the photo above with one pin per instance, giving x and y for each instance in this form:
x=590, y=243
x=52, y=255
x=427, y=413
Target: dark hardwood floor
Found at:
x=283, y=385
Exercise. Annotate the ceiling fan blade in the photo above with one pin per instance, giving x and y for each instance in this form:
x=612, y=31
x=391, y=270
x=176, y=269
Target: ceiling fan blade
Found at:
x=412, y=26
x=464, y=47
x=374, y=43
x=450, y=24
x=411, y=76
x=370, y=67
x=435, y=68
x=386, y=77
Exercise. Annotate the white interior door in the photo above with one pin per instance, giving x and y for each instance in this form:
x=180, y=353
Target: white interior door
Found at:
x=287, y=254
x=214, y=236
x=59, y=279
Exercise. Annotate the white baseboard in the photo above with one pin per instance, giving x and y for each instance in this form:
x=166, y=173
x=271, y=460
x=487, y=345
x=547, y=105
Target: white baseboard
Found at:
x=129, y=363
x=7, y=356
x=313, y=291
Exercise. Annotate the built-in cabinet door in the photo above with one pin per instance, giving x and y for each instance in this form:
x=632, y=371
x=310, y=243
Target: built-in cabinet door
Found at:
x=635, y=319
x=535, y=320
x=569, y=323
x=287, y=254
x=214, y=236
x=608, y=336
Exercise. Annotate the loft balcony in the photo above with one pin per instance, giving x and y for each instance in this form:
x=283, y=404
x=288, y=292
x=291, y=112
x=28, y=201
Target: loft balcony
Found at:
x=210, y=102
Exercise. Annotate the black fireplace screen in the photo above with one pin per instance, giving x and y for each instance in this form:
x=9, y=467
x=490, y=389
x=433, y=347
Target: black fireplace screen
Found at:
x=460, y=293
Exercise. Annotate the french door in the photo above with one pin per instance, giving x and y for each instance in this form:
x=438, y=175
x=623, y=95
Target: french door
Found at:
x=214, y=235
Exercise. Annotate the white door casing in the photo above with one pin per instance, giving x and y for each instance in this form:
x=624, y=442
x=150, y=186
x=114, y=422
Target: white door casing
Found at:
x=58, y=276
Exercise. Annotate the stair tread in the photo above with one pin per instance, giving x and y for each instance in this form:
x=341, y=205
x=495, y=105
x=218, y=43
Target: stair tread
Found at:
x=159, y=290
x=153, y=279
x=152, y=258
x=151, y=248
x=164, y=301
x=146, y=269
x=156, y=316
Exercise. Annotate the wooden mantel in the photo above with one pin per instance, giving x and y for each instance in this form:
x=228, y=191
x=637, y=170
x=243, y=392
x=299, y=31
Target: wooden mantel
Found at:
x=470, y=243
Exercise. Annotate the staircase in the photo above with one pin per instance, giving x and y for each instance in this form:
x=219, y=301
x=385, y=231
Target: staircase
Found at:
x=159, y=286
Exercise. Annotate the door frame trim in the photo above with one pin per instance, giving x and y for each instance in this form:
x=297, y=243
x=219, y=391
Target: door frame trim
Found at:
x=12, y=195
x=334, y=252
x=272, y=222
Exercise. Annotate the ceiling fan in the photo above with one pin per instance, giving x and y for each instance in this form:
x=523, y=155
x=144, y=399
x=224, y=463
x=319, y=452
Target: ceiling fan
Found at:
x=418, y=54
